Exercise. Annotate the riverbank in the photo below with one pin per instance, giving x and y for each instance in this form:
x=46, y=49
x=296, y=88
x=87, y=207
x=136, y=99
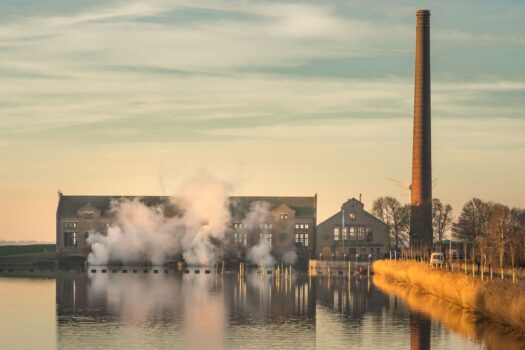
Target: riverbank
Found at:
x=28, y=255
x=499, y=301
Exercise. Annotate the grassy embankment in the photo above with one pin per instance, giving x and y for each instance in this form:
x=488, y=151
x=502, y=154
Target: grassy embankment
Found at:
x=499, y=301
x=30, y=254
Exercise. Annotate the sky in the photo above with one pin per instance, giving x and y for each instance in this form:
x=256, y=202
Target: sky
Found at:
x=274, y=97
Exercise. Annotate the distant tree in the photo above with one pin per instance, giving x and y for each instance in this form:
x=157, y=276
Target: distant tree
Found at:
x=396, y=216
x=472, y=220
x=516, y=238
x=441, y=219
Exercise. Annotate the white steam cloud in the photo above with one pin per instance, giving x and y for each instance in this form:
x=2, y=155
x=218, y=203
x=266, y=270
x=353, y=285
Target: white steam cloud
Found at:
x=189, y=224
x=261, y=254
x=257, y=217
x=194, y=224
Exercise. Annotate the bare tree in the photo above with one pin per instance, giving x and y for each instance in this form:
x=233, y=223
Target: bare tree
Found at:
x=396, y=216
x=516, y=236
x=499, y=227
x=473, y=220
x=441, y=219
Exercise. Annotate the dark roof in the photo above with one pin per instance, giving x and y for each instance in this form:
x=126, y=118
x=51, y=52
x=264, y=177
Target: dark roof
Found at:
x=305, y=207
x=339, y=213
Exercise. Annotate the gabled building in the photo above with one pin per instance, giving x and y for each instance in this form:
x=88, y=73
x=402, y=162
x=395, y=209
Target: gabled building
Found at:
x=288, y=223
x=350, y=232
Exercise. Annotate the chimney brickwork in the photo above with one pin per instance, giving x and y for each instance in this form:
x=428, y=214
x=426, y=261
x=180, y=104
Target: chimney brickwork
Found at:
x=421, y=190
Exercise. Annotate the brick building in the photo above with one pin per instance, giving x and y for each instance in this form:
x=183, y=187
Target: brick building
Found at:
x=288, y=223
x=352, y=231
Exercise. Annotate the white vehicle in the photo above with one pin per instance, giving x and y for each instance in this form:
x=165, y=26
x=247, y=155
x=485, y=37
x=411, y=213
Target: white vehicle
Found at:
x=437, y=259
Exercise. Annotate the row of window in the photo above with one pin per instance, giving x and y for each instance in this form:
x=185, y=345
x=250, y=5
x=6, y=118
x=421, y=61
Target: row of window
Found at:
x=297, y=226
x=363, y=250
x=74, y=224
x=302, y=226
x=237, y=225
x=240, y=238
x=302, y=238
x=352, y=232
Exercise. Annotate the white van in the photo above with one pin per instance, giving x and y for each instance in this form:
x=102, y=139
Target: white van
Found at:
x=437, y=259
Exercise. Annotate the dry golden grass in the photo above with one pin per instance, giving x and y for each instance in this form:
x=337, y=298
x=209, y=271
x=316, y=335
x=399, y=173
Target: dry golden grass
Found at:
x=500, y=301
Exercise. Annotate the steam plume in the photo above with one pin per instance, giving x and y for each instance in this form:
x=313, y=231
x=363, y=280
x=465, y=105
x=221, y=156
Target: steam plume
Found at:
x=186, y=225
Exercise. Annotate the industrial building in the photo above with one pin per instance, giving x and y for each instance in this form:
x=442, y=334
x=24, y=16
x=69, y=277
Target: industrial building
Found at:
x=289, y=223
x=352, y=233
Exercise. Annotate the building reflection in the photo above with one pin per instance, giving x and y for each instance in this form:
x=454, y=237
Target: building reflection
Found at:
x=224, y=308
x=353, y=298
x=287, y=313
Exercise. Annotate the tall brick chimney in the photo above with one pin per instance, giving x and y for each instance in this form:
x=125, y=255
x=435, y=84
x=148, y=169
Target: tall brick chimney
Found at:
x=421, y=214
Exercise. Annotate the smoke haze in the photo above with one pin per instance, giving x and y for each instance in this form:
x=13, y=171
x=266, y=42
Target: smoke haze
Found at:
x=193, y=224
x=187, y=225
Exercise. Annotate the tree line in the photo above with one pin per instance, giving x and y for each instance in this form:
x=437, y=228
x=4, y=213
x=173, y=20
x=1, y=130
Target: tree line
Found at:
x=493, y=231
x=397, y=218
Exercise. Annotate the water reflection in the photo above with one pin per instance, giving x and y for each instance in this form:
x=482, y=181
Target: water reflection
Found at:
x=196, y=311
x=425, y=307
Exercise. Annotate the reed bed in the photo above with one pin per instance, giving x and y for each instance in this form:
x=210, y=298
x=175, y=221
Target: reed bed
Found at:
x=500, y=301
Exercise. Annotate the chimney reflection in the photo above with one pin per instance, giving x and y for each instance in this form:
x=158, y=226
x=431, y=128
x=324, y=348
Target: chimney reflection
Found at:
x=420, y=328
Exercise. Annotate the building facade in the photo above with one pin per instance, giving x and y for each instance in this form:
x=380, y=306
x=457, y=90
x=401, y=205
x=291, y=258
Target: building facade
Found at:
x=352, y=233
x=287, y=223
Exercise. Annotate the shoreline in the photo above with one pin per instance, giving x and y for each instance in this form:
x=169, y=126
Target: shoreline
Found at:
x=499, y=301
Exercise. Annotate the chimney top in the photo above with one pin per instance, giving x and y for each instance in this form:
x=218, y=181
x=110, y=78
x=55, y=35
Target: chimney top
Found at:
x=422, y=12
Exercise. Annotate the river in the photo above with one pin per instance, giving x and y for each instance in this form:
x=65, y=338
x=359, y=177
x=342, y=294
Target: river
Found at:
x=166, y=309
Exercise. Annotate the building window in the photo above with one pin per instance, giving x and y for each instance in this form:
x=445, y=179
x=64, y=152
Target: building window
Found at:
x=369, y=236
x=306, y=226
x=240, y=238
x=352, y=232
x=336, y=233
x=361, y=231
x=70, y=239
x=70, y=224
x=297, y=226
x=267, y=236
x=89, y=215
x=344, y=238
x=283, y=216
x=301, y=239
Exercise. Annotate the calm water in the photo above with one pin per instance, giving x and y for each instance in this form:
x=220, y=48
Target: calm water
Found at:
x=200, y=311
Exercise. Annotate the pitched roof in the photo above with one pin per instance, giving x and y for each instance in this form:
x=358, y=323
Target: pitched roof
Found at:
x=305, y=207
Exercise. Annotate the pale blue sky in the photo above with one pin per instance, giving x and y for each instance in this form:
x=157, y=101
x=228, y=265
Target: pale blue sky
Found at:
x=280, y=98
